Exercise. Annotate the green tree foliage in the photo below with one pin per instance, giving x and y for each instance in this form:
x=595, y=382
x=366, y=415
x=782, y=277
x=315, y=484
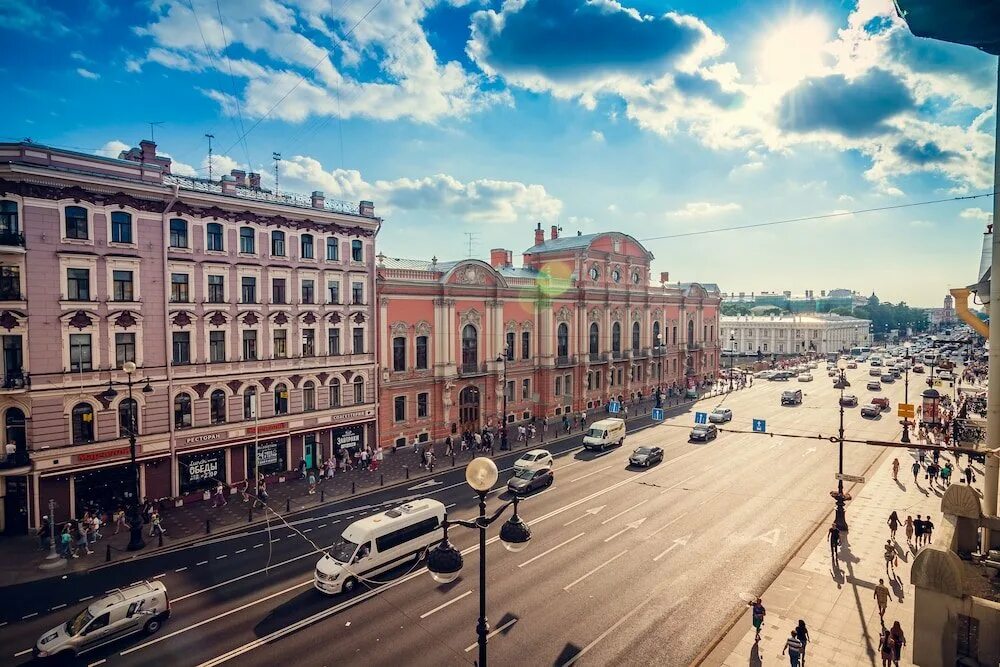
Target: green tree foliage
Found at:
x=887, y=316
x=732, y=309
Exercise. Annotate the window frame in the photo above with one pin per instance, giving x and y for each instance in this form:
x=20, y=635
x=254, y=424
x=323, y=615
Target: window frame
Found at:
x=213, y=345
x=176, y=235
x=278, y=238
x=334, y=243
x=66, y=228
x=244, y=238
x=82, y=430
x=307, y=241
x=122, y=220
x=217, y=407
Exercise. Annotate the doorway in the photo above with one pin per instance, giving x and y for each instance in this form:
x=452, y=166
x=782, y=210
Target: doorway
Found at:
x=468, y=409
x=310, y=451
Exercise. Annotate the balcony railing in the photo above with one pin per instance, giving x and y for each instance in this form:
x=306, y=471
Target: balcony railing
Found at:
x=10, y=294
x=16, y=380
x=617, y=355
x=598, y=358
x=692, y=347
x=640, y=353
x=9, y=238
x=471, y=369
x=565, y=361
x=659, y=351
x=16, y=460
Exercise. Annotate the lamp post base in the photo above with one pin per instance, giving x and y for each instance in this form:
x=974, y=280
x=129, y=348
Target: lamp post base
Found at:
x=840, y=515
x=135, y=541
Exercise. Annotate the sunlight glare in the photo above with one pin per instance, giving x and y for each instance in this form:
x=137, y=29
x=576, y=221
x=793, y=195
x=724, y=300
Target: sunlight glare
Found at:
x=793, y=50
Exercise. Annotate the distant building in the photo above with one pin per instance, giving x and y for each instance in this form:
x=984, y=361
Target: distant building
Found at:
x=808, y=302
x=943, y=317
x=793, y=334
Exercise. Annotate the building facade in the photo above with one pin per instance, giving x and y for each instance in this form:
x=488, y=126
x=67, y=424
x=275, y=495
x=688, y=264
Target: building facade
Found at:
x=798, y=334
x=464, y=342
x=809, y=302
x=250, y=313
x=945, y=316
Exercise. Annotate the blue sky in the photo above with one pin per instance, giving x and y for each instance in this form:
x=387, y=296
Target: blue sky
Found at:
x=484, y=116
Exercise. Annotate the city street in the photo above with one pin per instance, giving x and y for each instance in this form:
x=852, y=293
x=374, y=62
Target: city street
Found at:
x=625, y=566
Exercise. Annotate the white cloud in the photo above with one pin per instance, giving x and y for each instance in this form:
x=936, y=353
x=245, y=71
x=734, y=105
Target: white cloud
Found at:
x=76, y=55
x=87, y=74
x=702, y=209
x=845, y=198
x=612, y=208
x=746, y=168
x=597, y=136
x=112, y=148
x=977, y=214
x=921, y=224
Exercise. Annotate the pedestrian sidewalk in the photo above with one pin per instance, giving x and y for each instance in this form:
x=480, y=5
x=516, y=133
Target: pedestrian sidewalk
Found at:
x=837, y=603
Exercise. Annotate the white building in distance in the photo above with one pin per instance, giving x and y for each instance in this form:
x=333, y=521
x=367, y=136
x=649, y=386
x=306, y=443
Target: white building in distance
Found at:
x=817, y=333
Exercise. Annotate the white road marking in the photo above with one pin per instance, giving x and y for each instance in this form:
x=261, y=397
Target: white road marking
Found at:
x=494, y=633
x=222, y=556
x=204, y=562
x=277, y=539
x=58, y=606
x=674, y=486
x=548, y=551
x=610, y=560
x=89, y=597
x=239, y=551
x=667, y=524
x=322, y=525
x=632, y=525
x=29, y=616
x=162, y=574
x=612, y=518
x=307, y=530
x=679, y=542
x=99, y=662
x=257, y=546
x=442, y=606
x=612, y=629
x=590, y=512
x=592, y=473
x=181, y=569
x=448, y=507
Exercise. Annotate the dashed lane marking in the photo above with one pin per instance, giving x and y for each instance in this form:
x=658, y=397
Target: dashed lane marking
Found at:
x=58, y=606
x=494, y=633
x=612, y=518
x=162, y=574
x=322, y=525
x=181, y=569
x=257, y=546
x=29, y=616
x=307, y=530
x=204, y=562
x=99, y=662
x=442, y=606
x=607, y=562
x=591, y=473
x=239, y=551
x=24, y=652
x=86, y=597
x=222, y=556
x=548, y=551
x=277, y=539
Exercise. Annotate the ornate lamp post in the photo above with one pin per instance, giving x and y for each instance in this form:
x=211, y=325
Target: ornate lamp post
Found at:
x=906, y=392
x=839, y=497
x=503, y=417
x=659, y=370
x=444, y=562
x=732, y=356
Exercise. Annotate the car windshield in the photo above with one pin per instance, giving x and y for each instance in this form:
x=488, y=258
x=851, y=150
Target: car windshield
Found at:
x=597, y=433
x=718, y=412
x=524, y=474
x=343, y=551
x=75, y=625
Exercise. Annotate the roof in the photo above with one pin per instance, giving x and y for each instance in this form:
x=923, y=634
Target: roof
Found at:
x=518, y=272
x=812, y=317
x=709, y=287
x=415, y=264
x=564, y=243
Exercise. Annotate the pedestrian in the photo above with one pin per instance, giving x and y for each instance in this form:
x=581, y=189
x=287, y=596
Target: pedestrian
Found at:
x=918, y=531
x=899, y=641
x=890, y=559
x=119, y=518
x=833, y=534
x=155, y=525
x=916, y=470
x=66, y=542
x=794, y=648
x=893, y=523
x=908, y=526
x=757, y=616
x=96, y=524
x=928, y=530
x=565, y=422
x=377, y=459
x=887, y=649
x=312, y=482
x=302, y=468
x=802, y=632
x=881, y=596
x=245, y=489
x=262, y=493
x=895, y=470
x=365, y=455
x=80, y=537
x=430, y=461
x=946, y=474
x=970, y=476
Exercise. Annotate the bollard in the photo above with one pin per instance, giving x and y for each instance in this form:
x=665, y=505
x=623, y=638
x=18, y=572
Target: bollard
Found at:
x=208, y=526
x=453, y=459
x=250, y=514
x=322, y=495
x=160, y=540
x=107, y=556
x=381, y=480
x=352, y=488
x=288, y=504
x=407, y=469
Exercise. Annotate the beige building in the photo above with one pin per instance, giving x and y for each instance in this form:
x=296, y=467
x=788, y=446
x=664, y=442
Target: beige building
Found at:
x=793, y=334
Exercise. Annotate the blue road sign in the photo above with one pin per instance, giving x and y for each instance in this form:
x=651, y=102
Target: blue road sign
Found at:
x=759, y=426
x=701, y=418
x=614, y=407
x=657, y=414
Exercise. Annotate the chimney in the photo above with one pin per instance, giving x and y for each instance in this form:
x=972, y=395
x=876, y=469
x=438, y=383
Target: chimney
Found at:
x=228, y=185
x=539, y=235
x=500, y=258
x=255, y=180
x=239, y=176
x=822, y=294
x=148, y=150
x=318, y=199
x=366, y=208
x=664, y=277
x=555, y=232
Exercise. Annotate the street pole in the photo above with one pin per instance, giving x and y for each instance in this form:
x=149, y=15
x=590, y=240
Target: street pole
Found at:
x=135, y=541
x=732, y=344
x=840, y=517
x=906, y=395
x=992, y=468
x=53, y=554
x=482, y=625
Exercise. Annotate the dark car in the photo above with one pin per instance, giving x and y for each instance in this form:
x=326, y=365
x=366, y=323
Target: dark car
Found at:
x=526, y=481
x=704, y=432
x=646, y=456
x=888, y=378
x=849, y=400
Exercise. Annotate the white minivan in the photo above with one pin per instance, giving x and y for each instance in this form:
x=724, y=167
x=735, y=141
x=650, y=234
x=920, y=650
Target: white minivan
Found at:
x=378, y=543
x=604, y=433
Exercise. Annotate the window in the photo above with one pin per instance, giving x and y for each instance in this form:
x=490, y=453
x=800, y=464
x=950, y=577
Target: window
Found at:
x=122, y=286
x=674, y=335
x=357, y=293
x=179, y=288
x=216, y=289
x=422, y=401
x=78, y=284
x=558, y=391
x=216, y=346
x=249, y=345
x=356, y=251
x=178, y=233
x=359, y=389
x=9, y=225
x=333, y=342
x=332, y=249
x=217, y=406
x=470, y=347
x=307, y=246
x=278, y=291
x=358, y=341
x=308, y=342
x=399, y=353
x=562, y=340
x=333, y=290
x=508, y=390
x=690, y=338
x=121, y=227
x=248, y=289
x=616, y=337
x=182, y=411
x=281, y=399
x=76, y=223
x=10, y=283
x=406, y=534
x=335, y=393
x=250, y=403
x=509, y=346
x=635, y=336
x=594, y=344
x=421, y=352
x=308, y=291
x=399, y=408
x=525, y=345
x=182, y=347
x=280, y=343
x=213, y=236
x=80, y=353
x=525, y=390
x=128, y=418
x=278, y=243
x=248, y=241
x=124, y=348
x=83, y=423
x=309, y=396
x=656, y=334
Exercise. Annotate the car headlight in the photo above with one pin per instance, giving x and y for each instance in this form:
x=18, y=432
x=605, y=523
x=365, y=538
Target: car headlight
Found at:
x=49, y=637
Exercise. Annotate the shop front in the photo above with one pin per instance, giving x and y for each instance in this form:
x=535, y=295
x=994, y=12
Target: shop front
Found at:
x=201, y=471
x=347, y=440
x=104, y=489
x=270, y=457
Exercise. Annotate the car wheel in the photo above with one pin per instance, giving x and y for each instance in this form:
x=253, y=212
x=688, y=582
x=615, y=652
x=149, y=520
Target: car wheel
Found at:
x=152, y=625
x=349, y=585
x=549, y=481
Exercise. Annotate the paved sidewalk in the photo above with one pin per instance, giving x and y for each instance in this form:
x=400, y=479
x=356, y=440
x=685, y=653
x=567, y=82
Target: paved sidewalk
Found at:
x=837, y=604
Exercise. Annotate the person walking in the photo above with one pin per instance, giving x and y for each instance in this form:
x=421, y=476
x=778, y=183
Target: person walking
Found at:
x=794, y=648
x=946, y=474
x=44, y=538
x=893, y=523
x=970, y=476
x=245, y=490
x=377, y=459
x=312, y=483
x=916, y=470
x=757, y=616
x=895, y=470
x=886, y=647
x=155, y=525
x=833, y=535
x=802, y=632
x=890, y=559
x=899, y=641
x=928, y=530
x=918, y=531
x=220, y=496
x=66, y=542
x=881, y=595
x=908, y=527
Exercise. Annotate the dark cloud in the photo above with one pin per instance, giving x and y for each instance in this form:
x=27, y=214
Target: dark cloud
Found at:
x=571, y=40
x=695, y=85
x=854, y=108
x=927, y=153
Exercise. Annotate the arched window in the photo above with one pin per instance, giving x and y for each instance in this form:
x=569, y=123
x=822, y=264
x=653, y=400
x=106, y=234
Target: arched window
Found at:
x=616, y=337
x=334, y=393
x=178, y=233
x=359, y=389
x=657, y=341
x=182, y=411
x=83, y=423
x=635, y=335
x=399, y=353
x=217, y=406
x=76, y=223
x=690, y=338
x=248, y=240
x=128, y=418
x=470, y=347
x=281, y=399
x=421, y=351
x=307, y=246
x=250, y=403
x=562, y=340
x=309, y=396
x=213, y=236
x=278, y=243
x=595, y=338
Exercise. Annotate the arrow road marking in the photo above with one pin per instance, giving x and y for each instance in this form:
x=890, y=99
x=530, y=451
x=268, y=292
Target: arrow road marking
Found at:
x=666, y=525
x=590, y=512
x=424, y=485
x=628, y=526
x=610, y=518
x=809, y=451
x=545, y=553
x=613, y=558
x=771, y=536
x=679, y=542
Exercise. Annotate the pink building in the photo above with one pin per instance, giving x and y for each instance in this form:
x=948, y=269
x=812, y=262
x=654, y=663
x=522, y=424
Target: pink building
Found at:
x=578, y=323
x=250, y=313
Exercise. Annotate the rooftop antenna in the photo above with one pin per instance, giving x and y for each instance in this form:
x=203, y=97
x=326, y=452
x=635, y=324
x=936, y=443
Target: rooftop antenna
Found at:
x=471, y=238
x=277, y=158
x=152, y=129
x=210, y=137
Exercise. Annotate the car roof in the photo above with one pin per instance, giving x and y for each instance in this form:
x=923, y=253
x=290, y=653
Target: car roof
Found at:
x=536, y=452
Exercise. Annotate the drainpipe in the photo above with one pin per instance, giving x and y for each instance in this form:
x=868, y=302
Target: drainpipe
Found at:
x=174, y=482
x=961, y=295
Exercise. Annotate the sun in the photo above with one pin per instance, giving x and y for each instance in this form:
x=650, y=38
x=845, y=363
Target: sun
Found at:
x=793, y=50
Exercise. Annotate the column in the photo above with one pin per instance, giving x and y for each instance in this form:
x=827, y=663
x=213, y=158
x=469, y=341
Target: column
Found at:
x=383, y=321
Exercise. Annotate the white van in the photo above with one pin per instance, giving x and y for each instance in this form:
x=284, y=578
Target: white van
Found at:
x=378, y=543
x=605, y=433
x=122, y=612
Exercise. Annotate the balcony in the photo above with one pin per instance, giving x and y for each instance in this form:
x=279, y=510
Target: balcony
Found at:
x=14, y=381
x=617, y=355
x=598, y=358
x=640, y=353
x=693, y=347
x=466, y=370
x=566, y=361
x=11, y=242
x=16, y=460
x=659, y=351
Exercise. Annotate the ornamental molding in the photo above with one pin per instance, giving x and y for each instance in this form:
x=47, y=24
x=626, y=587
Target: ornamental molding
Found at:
x=359, y=318
x=398, y=328
x=8, y=321
x=251, y=319
x=423, y=328
x=280, y=318
x=235, y=386
x=511, y=325
x=564, y=314
x=470, y=275
x=657, y=313
x=616, y=314
x=335, y=318
x=383, y=301
x=181, y=319
x=594, y=315
x=125, y=320
x=528, y=325
x=636, y=316
x=472, y=317
x=81, y=319
x=309, y=317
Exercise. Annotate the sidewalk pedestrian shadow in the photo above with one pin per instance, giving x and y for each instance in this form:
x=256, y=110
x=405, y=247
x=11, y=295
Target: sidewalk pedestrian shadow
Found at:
x=897, y=587
x=902, y=487
x=755, y=659
x=920, y=488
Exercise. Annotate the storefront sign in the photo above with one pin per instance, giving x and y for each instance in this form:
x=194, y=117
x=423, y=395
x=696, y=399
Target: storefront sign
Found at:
x=348, y=437
x=346, y=416
x=271, y=456
x=87, y=457
x=205, y=437
x=202, y=470
x=267, y=428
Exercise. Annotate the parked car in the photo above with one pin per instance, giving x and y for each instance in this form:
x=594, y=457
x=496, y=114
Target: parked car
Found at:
x=849, y=400
x=870, y=410
x=526, y=481
x=534, y=460
x=917, y=368
x=805, y=377
x=646, y=456
x=946, y=375
x=720, y=415
x=896, y=373
x=875, y=385
x=704, y=432
x=791, y=397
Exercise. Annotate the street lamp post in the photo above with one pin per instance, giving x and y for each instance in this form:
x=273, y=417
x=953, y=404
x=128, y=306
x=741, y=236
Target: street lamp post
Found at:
x=906, y=392
x=503, y=418
x=732, y=355
x=840, y=516
x=135, y=541
x=444, y=562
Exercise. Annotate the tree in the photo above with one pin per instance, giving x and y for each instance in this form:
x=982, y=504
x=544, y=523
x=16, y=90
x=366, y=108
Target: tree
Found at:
x=842, y=310
x=731, y=309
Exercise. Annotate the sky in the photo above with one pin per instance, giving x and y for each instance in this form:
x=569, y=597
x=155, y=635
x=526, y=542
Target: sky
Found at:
x=468, y=122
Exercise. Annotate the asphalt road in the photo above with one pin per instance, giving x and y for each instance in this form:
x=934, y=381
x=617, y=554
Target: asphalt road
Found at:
x=625, y=566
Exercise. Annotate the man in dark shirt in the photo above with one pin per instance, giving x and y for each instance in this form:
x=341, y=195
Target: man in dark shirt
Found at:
x=834, y=536
x=918, y=530
x=928, y=529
